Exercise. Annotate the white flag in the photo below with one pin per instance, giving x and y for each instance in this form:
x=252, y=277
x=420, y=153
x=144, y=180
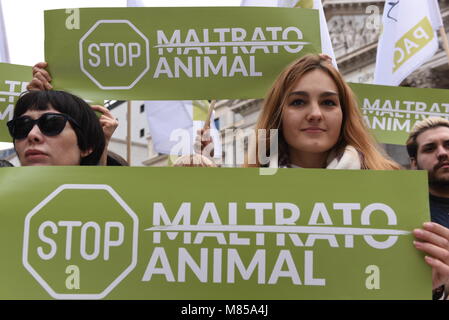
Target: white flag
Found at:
x=164, y=117
x=173, y=125
x=4, y=54
x=326, y=44
x=408, y=39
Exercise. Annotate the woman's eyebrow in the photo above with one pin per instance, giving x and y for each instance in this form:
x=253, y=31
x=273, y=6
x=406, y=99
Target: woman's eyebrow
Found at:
x=305, y=93
x=299, y=93
x=328, y=94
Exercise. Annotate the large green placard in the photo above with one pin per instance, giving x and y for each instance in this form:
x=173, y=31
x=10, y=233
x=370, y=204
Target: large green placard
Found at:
x=13, y=80
x=391, y=112
x=175, y=53
x=211, y=233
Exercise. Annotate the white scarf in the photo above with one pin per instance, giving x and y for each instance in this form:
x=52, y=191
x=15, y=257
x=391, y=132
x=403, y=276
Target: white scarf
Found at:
x=348, y=159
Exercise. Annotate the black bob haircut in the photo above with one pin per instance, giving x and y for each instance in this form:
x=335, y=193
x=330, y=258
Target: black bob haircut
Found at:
x=90, y=136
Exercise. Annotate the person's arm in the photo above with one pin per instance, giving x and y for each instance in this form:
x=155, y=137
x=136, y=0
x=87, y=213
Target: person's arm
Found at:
x=434, y=242
x=203, y=143
x=109, y=123
x=41, y=78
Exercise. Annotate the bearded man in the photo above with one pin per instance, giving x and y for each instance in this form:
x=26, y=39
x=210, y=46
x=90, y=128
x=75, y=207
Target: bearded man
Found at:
x=428, y=149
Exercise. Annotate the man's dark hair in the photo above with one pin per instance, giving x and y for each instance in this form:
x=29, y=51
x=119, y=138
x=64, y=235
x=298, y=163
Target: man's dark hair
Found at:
x=420, y=127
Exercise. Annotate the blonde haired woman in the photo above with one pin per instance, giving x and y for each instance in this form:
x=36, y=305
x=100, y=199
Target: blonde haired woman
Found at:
x=320, y=125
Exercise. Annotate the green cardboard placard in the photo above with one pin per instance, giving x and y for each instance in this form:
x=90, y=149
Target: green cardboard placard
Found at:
x=13, y=81
x=211, y=233
x=175, y=53
x=391, y=112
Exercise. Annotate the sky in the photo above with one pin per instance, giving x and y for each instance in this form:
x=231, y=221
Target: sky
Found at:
x=24, y=23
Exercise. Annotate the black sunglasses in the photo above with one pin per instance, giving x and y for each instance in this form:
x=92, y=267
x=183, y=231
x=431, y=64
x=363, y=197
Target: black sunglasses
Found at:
x=50, y=124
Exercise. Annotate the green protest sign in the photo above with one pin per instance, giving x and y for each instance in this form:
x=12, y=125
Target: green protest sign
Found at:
x=13, y=81
x=391, y=112
x=156, y=233
x=209, y=53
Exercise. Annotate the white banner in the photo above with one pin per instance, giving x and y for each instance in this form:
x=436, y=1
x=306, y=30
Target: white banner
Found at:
x=173, y=127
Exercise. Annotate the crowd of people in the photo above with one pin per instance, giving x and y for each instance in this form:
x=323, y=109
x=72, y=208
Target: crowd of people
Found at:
x=311, y=106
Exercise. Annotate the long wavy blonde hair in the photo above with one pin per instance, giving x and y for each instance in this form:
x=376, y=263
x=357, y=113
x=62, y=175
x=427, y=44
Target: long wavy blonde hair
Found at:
x=354, y=130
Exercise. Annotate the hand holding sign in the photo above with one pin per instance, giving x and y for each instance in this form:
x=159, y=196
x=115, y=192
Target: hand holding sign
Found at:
x=203, y=143
x=108, y=123
x=434, y=241
x=41, y=78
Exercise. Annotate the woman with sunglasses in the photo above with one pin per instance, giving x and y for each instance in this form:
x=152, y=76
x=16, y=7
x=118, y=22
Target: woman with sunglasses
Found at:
x=56, y=128
x=42, y=81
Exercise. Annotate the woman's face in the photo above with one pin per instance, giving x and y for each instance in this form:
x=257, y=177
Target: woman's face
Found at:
x=312, y=115
x=37, y=149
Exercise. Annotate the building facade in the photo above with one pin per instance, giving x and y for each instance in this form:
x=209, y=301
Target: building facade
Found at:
x=138, y=123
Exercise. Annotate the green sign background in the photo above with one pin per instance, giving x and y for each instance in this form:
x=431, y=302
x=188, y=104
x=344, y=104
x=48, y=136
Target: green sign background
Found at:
x=403, y=273
x=13, y=80
x=62, y=50
x=397, y=109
